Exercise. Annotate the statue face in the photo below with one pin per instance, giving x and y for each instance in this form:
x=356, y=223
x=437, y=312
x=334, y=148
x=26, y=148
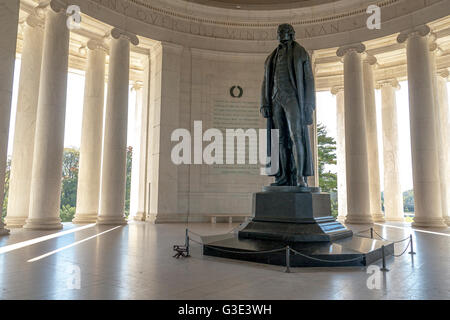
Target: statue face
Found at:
x=285, y=32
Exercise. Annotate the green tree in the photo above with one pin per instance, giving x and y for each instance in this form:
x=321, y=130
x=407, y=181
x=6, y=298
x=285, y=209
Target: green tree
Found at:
x=6, y=190
x=69, y=181
x=326, y=146
x=128, y=183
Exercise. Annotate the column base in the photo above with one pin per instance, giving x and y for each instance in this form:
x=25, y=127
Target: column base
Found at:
x=429, y=222
x=358, y=219
x=378, y=217
x=43, y=224
x=341, y=218
x=81, y=218
x=111, y=220
x=447, y=220
x=139, y=216
x=15, y=222
x=3, y=231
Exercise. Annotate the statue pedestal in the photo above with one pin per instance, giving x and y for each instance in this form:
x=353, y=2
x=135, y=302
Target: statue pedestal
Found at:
x=291, y=216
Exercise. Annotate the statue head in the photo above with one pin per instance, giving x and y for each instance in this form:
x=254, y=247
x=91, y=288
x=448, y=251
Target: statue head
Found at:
x=285, y=32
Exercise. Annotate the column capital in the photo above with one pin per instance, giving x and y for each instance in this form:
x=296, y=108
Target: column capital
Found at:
x=34, y=20
x=137, y=85
x=370, y=59
x=421, y=31
x=56, y=5
x=388, y=83
x=356, y=47
x=94, y=44
x=443, y=73
x=336, y=89
x=117, y=33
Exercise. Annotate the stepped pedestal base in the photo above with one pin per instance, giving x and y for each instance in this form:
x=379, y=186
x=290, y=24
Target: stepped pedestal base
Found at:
x=302, y=220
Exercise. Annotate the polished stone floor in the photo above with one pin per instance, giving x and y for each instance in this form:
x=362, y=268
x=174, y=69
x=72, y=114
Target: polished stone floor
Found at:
x=135, y=262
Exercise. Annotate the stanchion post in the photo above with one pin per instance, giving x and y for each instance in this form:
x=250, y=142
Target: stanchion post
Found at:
x=371, y=233
x=187, y=242
x=384, y=260
x=288, y=260
x=411, y=242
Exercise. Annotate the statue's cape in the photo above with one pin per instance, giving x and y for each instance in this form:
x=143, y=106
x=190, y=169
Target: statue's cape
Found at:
x=302, y=79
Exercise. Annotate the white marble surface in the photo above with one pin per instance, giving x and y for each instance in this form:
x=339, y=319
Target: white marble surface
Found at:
x=393, y=197
x=424, y=148
x=88, y=190
x=357, y=173
x=135, y=262
x=25, y=126
x=113, y=177
x=45, y=189
x=372, y=138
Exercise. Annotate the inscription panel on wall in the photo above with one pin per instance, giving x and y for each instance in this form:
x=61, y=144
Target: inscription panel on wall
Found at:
x=236, y=114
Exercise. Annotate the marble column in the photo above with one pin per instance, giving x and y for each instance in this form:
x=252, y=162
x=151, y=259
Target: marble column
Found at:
x=9, y=19
x=88, y=190
x=135, y=165
x=440, y=128
x=22, y=156
x=45, y=191
x=444, y=118
x=144, y=147
x=340, y=153
x=424, y=144
x=357, y=172
x=393, y=197
x=113, y=178
x=372, y=139
x=166, y=75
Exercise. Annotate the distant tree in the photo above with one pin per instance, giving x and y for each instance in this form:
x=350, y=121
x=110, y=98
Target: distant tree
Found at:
x=6, y=190
x=326, y=146
x=128, y=183
x=408, y=201
x=69, y=181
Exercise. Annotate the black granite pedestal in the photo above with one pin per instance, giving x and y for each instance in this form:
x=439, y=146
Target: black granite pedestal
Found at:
x=294, y=217
x=300, y=218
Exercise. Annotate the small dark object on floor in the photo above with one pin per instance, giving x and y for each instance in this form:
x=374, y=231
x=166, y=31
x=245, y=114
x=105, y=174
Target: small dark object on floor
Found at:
x=181, y=251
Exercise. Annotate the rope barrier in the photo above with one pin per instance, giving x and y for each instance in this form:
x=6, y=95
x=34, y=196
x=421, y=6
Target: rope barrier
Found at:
x=322, y=260
x=288, y=249
x=406, y=248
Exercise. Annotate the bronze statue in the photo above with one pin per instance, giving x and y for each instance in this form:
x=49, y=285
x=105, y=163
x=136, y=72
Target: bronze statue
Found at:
x=288, y=102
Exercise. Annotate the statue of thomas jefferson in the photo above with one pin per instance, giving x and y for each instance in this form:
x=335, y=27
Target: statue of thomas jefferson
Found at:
x=288, y=102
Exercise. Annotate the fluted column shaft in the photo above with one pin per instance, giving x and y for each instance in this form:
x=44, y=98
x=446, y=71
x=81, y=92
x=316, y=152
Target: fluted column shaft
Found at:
x=112, y=194
x=9, y=18
x=424, y=148
x=135, y=166
x=393, y=198
x=340, y=153
x=45, y=190
x=372, y=139
x=444, y=118
x=357, y=172
x=27, y=101
x=144, y=147
x=88, y=191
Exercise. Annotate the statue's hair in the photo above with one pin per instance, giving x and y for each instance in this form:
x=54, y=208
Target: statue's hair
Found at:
x=287, y=26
